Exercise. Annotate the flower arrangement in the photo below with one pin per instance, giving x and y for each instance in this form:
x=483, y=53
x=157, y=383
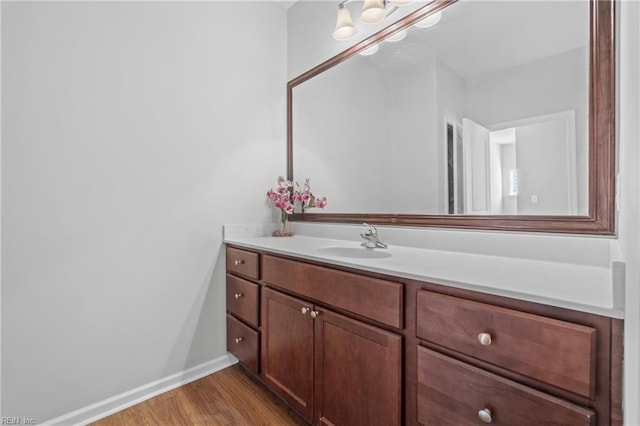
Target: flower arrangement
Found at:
x=285, y=197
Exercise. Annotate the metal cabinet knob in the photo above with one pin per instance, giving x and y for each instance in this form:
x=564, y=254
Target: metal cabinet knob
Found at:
x=484, y=339
x=304, y=310
x=314, y=314
x=485, y=415
x=238, y=262
x=238, y=295
x=238, y=339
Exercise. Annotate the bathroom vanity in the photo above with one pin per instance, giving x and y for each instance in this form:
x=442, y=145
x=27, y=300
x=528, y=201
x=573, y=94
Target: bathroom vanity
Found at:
x=346, y=339
x=349, y=336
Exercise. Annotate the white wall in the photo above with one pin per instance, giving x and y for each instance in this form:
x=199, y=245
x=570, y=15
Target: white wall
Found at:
x=629, y=222
x=452, y=106
x=328, y=137
x=413, y=164
x=550, y=85
x=542, y=162
x=310, y=42
x=131, y=133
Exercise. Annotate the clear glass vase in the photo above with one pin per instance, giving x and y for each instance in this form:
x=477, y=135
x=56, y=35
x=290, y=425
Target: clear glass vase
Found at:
x=285, y=226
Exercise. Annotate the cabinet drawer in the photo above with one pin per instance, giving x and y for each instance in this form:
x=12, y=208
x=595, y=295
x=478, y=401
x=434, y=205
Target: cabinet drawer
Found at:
x=243, y=342
x=451, y=392
x=552, y=351
x=243, y=299
x=243, y=262
x=373, y=298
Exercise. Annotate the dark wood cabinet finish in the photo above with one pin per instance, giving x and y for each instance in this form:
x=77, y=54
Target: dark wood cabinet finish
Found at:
x=244, y=343
x=243, y=299
x=287, y=349
x=243, y=262
x=342, y=367
x=358, y=372
x=556, y=352
x=376, y=299
x=243, y=307
x=451, y=392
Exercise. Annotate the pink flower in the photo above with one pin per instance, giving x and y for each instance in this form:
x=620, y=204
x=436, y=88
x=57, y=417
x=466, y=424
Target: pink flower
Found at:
x=320, y=203
x=286, y=194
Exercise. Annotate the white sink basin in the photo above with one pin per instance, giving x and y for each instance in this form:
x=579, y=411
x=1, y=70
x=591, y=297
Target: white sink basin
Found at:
x=353, y=252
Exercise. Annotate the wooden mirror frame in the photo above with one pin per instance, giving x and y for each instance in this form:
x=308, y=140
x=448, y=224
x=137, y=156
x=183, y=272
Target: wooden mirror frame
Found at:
x=602, y=123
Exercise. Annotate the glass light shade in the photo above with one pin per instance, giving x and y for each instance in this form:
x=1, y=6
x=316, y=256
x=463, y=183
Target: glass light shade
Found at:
x=397, y=36
x=429, y=21
x=372, y=11
x=370, y=50
x=344, y=25
x=401, y=2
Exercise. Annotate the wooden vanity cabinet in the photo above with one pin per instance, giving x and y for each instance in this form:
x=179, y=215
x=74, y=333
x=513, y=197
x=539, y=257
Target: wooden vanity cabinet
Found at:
x=510, y=362
x=451, y=392
x=358, y=372
x=287, y=349
x=345, y=347
x=331, y=368
x=556, y=352
x=243, y=307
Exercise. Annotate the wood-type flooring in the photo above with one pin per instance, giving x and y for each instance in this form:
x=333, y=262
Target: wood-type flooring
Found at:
x=227, y=397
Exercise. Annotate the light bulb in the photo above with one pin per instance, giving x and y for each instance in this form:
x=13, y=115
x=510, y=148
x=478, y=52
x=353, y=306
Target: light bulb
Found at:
x=397, y=36
x=344, y=25
x=370, y=50
x=372, y=11
x=429, y=21
x=401, y=2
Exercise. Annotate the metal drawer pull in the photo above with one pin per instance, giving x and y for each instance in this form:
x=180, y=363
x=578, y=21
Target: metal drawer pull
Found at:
x=304, y=310
x=485, y=415
x=238, y=262
x=315, y=314
x=238, y=295
x=238, y=339
x=484, y=339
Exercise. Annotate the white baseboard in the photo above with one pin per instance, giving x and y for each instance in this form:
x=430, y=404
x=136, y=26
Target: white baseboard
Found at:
x=112, y=405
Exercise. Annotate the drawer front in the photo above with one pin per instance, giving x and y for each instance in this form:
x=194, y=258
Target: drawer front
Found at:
x=373, y=298
x=243, y=342
x=243, y=299
x=451, y=392
x=243, y=262
x=552, y=351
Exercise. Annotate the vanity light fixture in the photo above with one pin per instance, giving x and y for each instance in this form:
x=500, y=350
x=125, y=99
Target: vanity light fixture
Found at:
x=373, y=11
x=344, y=25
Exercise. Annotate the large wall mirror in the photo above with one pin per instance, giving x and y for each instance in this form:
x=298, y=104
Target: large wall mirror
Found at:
x=501, y=116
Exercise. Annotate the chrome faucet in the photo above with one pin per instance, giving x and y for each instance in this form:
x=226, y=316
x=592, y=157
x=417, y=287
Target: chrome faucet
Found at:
x=371, y=238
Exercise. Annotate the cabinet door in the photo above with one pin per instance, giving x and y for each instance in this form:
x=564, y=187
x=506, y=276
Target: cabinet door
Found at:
x=287, y=349
x=357, y=372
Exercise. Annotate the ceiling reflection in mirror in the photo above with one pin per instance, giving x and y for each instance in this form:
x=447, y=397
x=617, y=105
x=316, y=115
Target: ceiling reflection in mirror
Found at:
x=484, y=113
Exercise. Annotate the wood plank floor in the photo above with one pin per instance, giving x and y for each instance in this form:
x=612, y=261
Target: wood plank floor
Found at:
x=227, y=397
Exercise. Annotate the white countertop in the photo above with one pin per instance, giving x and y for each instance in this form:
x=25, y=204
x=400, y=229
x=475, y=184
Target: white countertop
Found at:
x=579, y=287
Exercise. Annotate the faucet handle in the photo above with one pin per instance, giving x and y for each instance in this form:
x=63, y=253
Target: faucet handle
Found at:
x=373, y=231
